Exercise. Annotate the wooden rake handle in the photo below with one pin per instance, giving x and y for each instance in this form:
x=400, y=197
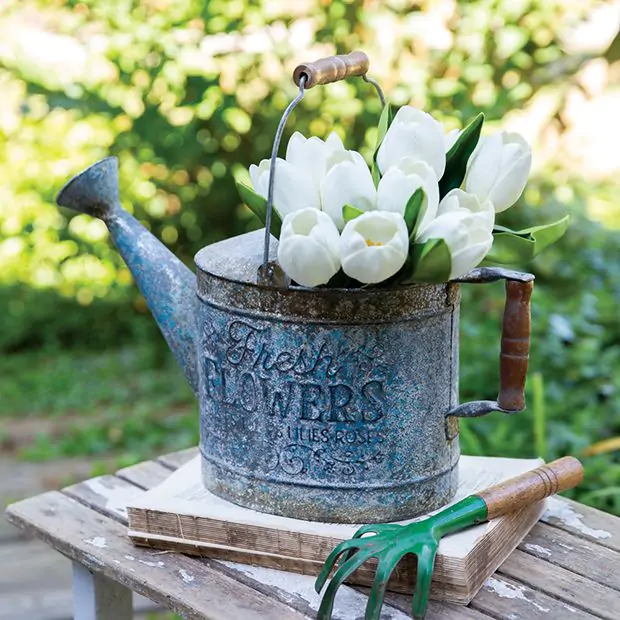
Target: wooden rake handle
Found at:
x=532, y=486
x=331, y=69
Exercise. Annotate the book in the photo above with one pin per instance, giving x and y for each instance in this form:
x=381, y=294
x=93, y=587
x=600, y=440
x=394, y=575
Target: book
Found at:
x=181, y=515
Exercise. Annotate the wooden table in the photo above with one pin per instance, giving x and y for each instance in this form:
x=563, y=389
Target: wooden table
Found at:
x=568, y=568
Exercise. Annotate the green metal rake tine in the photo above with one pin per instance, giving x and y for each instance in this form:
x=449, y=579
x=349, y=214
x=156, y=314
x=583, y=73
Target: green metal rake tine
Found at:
x=426, y=563
x=344, y=547
x=382, y=575
x=377, y=529
x=344, y=571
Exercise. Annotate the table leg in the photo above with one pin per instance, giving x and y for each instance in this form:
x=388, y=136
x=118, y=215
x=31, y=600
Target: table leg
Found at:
x=97, y=597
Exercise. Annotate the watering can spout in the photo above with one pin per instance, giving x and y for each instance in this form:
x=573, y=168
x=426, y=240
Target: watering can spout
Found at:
x=167, y=284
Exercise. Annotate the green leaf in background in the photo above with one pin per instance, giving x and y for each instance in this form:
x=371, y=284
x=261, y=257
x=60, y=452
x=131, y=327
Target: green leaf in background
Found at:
x=431, y=262
x=258, y=205
x=414, y=212
x=350, y=213
x=458, y=156
x=519, y=246
x=387, y=116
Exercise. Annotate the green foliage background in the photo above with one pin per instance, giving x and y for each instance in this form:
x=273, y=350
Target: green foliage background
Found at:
x=187, y=94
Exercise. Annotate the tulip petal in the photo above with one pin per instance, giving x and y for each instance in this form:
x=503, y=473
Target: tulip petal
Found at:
x=416, y=134
x=305, y=261
x=469, y=257
x=347, y=183
x=511, y=183
x=484, y=167
x=309, y=247
x=374, y=246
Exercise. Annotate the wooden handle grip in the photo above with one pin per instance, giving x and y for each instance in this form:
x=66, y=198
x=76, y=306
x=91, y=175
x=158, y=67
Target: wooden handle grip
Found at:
x=515, y=351
x=532, y=486
x=332, y=69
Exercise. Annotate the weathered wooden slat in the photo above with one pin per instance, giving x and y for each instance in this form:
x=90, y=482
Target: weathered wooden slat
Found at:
x=583, y=521
x=177, y=459
x=144, y=475
x=505, y=598
x=287, y=588
x=576, y=554
x=576, y=590
x=193, y=589
x=436, y=610
x=107, y=495
x=298, y=591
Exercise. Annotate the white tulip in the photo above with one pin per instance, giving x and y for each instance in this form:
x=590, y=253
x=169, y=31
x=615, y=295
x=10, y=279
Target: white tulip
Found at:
x=309, y=154
x=399, y=183
x=467, y=232
x=348, y=181
x=308, y=249
x=293, y=188
x=456, y=200
x=498, y=169
x=416, y=134
x=298, y=177
x=374, y=246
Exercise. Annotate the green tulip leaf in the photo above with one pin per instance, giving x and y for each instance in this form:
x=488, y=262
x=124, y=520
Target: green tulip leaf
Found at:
x=258, y=205
x=385, y=120
x=350, y=213
x=458, y=156
x=520, y=246
x=431, y=262
x=414, y=212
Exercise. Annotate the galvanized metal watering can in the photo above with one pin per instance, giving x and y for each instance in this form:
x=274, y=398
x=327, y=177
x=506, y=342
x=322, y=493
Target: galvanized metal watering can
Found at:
x=335, y=405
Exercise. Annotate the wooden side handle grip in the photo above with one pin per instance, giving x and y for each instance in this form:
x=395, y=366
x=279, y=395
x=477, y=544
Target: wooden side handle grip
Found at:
x=515, y=351
x=332, y=69
x=532, y=486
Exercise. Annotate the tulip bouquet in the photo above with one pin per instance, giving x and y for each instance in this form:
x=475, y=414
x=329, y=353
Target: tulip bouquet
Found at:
x=424, y=212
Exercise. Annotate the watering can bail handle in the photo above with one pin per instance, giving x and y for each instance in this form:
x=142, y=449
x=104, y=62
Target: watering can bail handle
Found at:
x=515, y=347
x=307, y=75
x=332, y=69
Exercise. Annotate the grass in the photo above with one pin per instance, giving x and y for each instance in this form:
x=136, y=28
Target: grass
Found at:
x=132, y=402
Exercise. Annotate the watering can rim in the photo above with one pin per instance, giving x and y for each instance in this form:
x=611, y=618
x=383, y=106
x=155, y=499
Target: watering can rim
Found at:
x=237, y=260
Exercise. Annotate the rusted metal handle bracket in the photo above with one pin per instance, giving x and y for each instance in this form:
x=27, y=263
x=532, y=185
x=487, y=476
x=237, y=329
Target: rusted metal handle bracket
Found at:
x=515, y=348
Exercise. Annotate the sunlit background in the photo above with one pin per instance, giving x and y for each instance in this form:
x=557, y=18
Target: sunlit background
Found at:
x=187, y=94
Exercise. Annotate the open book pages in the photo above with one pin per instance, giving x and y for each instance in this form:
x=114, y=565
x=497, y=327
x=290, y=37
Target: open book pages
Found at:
x=181, y=514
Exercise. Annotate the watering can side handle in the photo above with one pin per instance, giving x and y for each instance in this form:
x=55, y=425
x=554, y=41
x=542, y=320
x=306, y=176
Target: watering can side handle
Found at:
x=515, y=349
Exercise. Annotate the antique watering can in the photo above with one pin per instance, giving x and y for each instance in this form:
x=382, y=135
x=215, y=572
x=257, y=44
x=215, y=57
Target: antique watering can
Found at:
x=336, y=405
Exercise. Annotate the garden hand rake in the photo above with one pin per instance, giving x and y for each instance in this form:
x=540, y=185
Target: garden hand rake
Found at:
x=389, y=542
